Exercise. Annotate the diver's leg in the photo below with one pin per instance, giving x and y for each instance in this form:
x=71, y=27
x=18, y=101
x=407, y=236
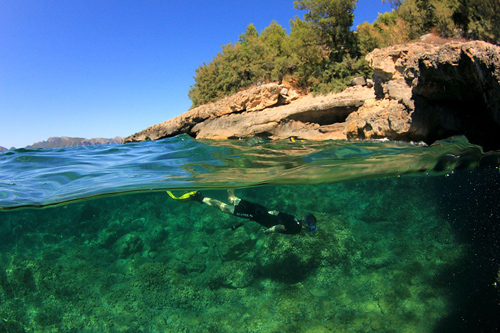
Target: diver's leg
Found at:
x=280, y=228
x=233, y=199
x=226, y=208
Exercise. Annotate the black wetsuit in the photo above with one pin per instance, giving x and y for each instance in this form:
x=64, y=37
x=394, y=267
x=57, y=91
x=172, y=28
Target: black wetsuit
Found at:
x=259, y=214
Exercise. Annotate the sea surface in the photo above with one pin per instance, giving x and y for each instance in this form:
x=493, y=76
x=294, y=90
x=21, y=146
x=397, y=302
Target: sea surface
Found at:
x=407, y=239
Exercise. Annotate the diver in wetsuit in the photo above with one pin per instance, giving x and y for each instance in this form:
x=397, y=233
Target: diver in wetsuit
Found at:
x=273, y=220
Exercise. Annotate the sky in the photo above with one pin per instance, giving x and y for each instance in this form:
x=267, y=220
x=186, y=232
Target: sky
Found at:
x=106, y=68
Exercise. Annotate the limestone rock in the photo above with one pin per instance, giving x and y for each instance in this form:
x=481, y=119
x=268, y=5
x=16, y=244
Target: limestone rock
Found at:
x=309, y=117
x=358, y=81
x=447, y=89
x=254, y=99
x=379, y=119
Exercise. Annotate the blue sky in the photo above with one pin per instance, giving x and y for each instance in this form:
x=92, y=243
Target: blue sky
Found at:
x=105, y=68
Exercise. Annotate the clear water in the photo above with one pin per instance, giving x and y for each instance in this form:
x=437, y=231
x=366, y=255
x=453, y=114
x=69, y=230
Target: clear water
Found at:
x=408, y=238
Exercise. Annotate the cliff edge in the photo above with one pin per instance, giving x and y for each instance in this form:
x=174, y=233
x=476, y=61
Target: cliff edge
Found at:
x=421, y=92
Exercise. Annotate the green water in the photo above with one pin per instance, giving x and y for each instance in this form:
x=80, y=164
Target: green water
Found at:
x=386, y=257
x=397, y=253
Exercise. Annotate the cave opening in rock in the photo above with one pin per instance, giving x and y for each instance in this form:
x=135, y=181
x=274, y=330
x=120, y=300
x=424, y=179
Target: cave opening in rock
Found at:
x=457, y=99
x=445, y=118
x=324, y=117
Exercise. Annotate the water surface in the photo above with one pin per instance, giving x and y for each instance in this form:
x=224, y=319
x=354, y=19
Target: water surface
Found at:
x=42, y=177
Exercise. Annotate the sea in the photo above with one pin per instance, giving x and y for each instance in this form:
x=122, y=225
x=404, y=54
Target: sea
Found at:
x=407, y=237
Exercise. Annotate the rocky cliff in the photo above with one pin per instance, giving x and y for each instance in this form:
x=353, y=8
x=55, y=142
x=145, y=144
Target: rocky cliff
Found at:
x=429, y=92
x=422, y=91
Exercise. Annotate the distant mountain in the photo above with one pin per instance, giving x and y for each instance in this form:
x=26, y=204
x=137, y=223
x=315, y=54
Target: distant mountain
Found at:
x=2, y=149
x=64, y=141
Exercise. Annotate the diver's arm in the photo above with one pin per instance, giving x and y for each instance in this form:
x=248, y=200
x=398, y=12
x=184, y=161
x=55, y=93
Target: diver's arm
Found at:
x=275, y=228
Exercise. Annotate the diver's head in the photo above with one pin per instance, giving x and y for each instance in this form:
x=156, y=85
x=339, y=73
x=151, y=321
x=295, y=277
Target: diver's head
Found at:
x=309, y=221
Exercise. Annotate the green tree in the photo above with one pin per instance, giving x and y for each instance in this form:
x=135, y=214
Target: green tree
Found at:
x=221, y=77
x=252, y=53
x=250, y=33
x=441, y=16
x=319, y=55
x=277, y=61
x=332, y=21
x=479, y=19
x=253, y=59
x=308, y=53
x=394, y=3
x=388, y=29
x=476, y=19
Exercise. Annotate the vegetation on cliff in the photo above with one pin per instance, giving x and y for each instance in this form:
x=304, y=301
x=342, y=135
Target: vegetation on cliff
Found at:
x=321, y=53
x=472, y=19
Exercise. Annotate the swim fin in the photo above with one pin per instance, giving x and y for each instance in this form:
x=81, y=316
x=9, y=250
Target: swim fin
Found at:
x=185, y=196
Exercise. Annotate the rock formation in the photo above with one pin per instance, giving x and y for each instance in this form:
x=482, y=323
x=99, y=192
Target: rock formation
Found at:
x=265, y=111
x=421, y=92
x=429, y=92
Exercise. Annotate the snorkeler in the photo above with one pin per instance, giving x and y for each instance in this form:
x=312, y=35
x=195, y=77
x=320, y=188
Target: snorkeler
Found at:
x=273, y=220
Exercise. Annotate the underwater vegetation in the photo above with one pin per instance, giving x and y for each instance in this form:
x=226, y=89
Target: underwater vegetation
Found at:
x=396, y=254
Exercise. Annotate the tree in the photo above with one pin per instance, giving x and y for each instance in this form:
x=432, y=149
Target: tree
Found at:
x=394, y=3
x=476, y=19
x=443, y=17
x=224, y=75
x=388, y=29
x=479, y=19
x=250, y=33
x=277, y=61
x=319, y=55
x=332, y=20
x=307, y=54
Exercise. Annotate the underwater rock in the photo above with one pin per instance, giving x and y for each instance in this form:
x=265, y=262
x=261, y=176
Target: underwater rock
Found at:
x=235, y=248
x=108, y=236
x=187, y=263
x=156, y=232
x=233, y=275
x=128, y=245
